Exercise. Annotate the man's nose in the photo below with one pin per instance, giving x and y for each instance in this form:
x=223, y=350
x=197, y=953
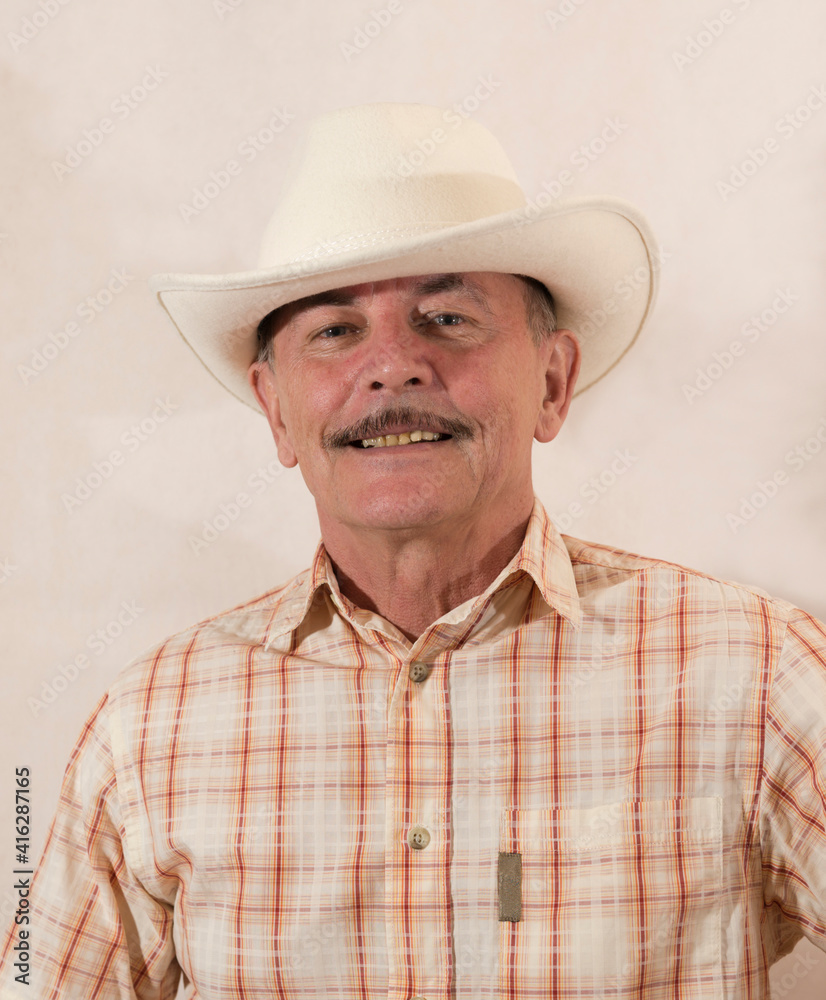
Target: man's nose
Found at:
x=396, y=357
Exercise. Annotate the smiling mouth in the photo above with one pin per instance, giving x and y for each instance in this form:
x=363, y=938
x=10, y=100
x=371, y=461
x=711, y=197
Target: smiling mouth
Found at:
x=400, y=425
x=393, y=440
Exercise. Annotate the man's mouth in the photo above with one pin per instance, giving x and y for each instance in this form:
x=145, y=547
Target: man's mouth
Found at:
x=400, y=425
x=392, y=440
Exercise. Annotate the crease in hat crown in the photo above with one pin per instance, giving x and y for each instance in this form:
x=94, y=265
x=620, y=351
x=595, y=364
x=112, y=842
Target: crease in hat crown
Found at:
x=383, y=191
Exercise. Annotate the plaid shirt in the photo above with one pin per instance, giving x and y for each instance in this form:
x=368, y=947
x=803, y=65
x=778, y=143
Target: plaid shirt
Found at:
x=292, y=800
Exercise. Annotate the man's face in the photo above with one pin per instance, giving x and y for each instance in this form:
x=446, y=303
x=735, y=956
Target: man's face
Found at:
x=447, y=355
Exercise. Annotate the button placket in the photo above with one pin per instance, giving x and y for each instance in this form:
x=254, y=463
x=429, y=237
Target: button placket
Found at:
x=418, y=847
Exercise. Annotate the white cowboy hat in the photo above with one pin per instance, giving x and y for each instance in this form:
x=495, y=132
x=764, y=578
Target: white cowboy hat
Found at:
x=393, y=190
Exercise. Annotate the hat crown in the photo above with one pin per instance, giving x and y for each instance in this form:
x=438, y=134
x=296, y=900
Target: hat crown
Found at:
x=379, y=172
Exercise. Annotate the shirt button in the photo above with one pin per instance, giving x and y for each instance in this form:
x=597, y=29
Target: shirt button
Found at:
x=418, y=671
x=418, y=838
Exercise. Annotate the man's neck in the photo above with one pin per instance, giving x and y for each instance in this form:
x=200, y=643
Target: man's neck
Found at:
x=412, y=579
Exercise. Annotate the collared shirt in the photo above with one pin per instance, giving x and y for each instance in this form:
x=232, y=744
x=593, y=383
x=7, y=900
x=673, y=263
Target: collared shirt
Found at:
x=603, y=777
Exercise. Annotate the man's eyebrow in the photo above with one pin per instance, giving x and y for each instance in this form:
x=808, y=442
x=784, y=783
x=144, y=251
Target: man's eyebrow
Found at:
x=436, y=283
x=333, y=297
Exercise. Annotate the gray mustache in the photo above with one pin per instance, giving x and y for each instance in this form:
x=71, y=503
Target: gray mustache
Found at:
x=376, y=424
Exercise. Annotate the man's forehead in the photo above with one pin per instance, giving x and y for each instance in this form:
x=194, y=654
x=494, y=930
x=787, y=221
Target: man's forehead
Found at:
x=466, y=283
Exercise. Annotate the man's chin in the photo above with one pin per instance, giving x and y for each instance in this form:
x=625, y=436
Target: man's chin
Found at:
x=399, y=510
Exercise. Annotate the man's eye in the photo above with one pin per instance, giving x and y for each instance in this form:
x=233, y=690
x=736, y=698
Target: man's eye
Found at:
x=333, y=332
x=446, y=319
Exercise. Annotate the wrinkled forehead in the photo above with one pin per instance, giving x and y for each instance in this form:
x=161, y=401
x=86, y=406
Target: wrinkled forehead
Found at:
x=465, y=284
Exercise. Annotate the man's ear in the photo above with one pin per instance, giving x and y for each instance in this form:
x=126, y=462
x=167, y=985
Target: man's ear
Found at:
x=560, y=379
x=262, y=380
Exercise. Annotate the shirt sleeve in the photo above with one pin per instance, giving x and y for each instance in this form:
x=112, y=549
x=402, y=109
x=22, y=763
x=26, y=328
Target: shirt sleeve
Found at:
x=793, y=787
x=94, y=931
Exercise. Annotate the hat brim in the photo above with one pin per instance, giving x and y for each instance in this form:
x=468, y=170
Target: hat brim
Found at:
x=596, y=255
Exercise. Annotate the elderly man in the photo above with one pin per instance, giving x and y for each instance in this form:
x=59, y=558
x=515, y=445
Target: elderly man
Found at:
x=461, y=756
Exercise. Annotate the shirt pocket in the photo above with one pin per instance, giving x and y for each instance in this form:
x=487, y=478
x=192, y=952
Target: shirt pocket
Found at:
x=622, y=900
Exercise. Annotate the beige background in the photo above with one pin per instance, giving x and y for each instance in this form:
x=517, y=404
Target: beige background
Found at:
x=221, y=71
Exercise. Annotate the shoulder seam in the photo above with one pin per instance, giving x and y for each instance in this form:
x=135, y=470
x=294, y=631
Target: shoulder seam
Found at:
x=649, y=563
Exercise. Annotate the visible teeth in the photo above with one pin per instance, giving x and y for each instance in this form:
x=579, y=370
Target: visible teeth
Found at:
x=398, y=439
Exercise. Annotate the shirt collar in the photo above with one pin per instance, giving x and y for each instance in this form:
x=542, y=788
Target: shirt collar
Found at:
x=543, y=556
